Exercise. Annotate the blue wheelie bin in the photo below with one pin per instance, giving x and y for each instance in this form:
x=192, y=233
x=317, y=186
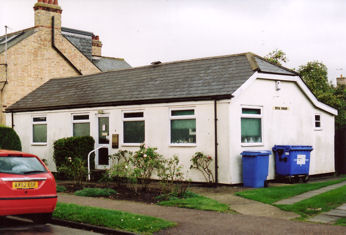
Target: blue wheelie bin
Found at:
x=292, y=161
x=255, y=168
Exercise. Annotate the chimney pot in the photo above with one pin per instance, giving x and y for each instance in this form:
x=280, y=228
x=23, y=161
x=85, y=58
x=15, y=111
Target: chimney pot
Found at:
x=55, y=2
x=50, y=1
x=40, y=0
x=97, y=37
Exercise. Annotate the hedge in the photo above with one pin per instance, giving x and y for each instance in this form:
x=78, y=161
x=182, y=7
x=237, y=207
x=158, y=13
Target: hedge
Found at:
x=9, y=139
x=73, y=147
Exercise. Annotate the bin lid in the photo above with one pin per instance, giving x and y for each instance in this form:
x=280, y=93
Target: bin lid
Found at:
x=256, y=153
x=292, y=147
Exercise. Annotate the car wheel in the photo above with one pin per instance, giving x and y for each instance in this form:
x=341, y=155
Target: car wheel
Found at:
x=41, y=218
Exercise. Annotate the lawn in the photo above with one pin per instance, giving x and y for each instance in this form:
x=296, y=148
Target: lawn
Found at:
x=195, y=201
x=274, y=194
x=110, y=218
x=319, y=203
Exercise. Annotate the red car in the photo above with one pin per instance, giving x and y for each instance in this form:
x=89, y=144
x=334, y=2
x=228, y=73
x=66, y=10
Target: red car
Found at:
x=27, y=187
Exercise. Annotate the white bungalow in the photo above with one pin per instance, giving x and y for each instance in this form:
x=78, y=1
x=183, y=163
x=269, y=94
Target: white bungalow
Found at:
x=220, y=106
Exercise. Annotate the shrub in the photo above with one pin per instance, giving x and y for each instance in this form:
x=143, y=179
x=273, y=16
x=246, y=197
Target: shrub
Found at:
x=9, y=139
x=60, y=188
x=70, y=156
x=95, y=192
x=172, y=177
x=136, y=167
x=201, y=162
x=122, y=169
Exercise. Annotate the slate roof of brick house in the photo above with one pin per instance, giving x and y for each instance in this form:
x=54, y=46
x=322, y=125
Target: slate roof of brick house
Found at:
x=15, y=38
x=82, y=40
x=197, y=79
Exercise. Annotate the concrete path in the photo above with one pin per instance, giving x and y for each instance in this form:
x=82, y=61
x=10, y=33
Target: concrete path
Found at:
x=206, y=222
x=330, y=217
x=298, y=198
x=242, y=205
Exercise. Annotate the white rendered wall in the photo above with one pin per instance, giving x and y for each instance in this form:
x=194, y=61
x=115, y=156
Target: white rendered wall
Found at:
x=294, y=126
x=157, y=130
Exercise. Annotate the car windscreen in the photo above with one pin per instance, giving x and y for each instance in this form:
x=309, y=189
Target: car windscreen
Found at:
x=21, y=165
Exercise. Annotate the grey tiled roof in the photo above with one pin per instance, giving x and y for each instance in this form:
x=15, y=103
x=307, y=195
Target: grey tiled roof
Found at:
x=106, y=64
x=166, y=82
x=265, y=66
x=82, y=40
x=14, y=38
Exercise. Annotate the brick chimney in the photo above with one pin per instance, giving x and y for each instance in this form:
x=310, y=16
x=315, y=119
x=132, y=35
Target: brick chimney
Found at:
x=341, y=80
x=44, y=10
x=96, y=46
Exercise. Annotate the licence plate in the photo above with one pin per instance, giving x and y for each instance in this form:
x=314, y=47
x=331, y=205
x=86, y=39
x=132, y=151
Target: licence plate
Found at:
x=25, y=185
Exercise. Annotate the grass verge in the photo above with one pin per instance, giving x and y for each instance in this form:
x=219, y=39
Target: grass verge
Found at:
x=341, y=221
x=319, y=203
x=95, y=192
x=195, y=201
x=274, y=194
x=110, y=218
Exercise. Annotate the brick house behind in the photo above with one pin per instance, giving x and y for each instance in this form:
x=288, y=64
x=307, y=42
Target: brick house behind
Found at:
x=30, y=57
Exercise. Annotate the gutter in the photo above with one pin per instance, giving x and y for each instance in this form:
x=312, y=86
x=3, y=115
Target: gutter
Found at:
x=60, y=52
x=120, y=103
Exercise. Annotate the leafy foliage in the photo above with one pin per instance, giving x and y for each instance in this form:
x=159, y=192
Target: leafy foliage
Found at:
x=60, y=188
x=202, y=162
x=70, y=156
x=276, y=57
x=9, y=139
x=136, y=167
x=315, y=76
x=95, y=192
x=172, y=177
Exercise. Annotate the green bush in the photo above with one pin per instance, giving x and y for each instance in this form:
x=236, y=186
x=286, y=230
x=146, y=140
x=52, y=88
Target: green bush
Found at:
x=70, y=156
x=95, y=192
x=9, y=139
x=60, y=188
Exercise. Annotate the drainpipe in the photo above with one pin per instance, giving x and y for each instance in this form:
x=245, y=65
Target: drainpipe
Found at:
x=5, y=64
x=12, y=120
x=60, y=52
x=215, y=134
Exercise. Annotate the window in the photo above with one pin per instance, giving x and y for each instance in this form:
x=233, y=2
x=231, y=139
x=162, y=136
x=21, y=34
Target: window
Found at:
x=183, y=126
x=39, y=130
x=81, y=125
x=318, y=121
x=133, y=128
x=251, y=125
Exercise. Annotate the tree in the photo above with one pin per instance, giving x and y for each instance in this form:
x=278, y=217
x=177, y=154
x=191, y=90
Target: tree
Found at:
x=276, y=57
x=315, y=76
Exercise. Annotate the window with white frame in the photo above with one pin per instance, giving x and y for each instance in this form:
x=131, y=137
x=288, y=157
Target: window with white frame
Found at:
x=39, y=130
x=318, y=121
x=81, y=125
x=183, y=126
x=251, y=125
x=134, y=127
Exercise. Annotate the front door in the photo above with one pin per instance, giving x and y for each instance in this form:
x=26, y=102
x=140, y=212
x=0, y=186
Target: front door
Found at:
x=102, y=159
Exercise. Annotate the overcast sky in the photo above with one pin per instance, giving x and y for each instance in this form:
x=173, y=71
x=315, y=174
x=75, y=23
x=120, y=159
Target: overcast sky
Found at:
x=143, y=31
